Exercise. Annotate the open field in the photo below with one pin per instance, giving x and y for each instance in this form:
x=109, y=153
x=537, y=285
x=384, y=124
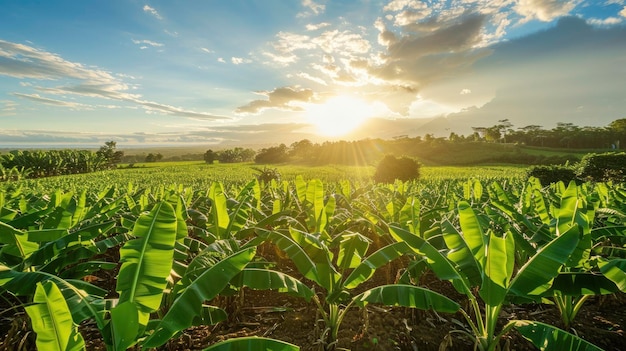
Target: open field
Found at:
x=191, y=256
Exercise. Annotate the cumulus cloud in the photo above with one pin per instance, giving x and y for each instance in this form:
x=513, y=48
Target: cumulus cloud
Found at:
x=285, y=98
x=544, y=10
x=312, y=8
x=152, y=11
x=623, y=12
x=23, y=61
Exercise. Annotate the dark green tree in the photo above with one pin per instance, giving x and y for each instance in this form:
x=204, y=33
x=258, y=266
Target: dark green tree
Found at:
x=390, y=169
x=110, y=154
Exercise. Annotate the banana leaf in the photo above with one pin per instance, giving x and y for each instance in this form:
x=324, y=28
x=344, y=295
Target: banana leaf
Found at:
x=52, y=320
x=549, y=338
x=189, y=304
x=407, y=296
x=147, y=260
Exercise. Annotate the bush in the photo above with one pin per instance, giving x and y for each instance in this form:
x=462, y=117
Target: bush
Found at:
x=552, y=174
x=391, y=168
x=610, y=166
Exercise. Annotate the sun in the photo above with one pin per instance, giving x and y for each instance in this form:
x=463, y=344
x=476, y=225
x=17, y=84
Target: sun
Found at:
x=339, y=115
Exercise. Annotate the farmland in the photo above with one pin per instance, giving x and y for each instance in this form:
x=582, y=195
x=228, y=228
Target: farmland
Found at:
x=191, y=256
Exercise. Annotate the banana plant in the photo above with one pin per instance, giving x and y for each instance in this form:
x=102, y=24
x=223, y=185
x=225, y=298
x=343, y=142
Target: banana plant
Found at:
x=486, y=261
x=337, y=274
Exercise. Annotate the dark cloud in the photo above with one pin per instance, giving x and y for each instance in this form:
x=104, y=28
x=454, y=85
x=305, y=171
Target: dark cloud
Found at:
x=280, y=98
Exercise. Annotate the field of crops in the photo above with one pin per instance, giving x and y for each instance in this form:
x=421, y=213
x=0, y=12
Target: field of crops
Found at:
x=180, y=257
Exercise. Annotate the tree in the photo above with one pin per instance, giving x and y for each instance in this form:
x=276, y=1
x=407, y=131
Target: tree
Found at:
x=110, y=155
x=210, y=156
x=275, y=154
x=154, y=157
x=391, y=168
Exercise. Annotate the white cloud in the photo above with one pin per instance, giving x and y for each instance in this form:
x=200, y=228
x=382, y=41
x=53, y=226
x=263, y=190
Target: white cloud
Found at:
x=145, y=42
x=544, y=10
x=465, y=91
x=313, y=8
x=152, y=11
x=312, y=78
x=207, y=50
x=313, y=27
x=239, y=60
x=221, y=60
x=609, y=21
x=623, y=12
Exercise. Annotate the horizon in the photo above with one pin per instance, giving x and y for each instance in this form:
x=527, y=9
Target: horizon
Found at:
x=257, y=72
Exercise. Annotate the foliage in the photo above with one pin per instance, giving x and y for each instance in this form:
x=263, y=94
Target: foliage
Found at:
x=552, y=174
x=109, y=153
x=604, y=167
x=274, y=154
x=186, y=251
x=390, y=169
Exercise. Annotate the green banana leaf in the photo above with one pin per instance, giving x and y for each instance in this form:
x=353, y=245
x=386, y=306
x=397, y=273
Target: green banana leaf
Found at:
x=52, y=320
x=442, y=267
x=550, y=338
x=615, y=270
x=83, y=299
x=147, y=260
x=219, y=211
x=582, y=283
x=460, y=253
x=535, y=277
x=472, y=231
x=252, y=343
x=352, y=248
x=381, y=257
x=407, y=296
x=498, y=269
x=265, y=279
x=189, y=303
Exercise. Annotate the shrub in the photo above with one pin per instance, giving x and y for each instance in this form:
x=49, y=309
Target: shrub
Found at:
x=552, y=174
x=610, y=166
x=391, y=168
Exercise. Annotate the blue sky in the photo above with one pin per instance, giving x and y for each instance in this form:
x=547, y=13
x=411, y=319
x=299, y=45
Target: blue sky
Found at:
x=270, y=71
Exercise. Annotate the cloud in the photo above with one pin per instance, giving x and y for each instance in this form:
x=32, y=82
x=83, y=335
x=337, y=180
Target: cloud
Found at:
x=313, y=8
x=239, y=60
x=8, y=109
x=207, y=50
x=609, y=21
x=152, y=11
x=623, y=12
x=22, y=61
x=465, y=91
x=544, y=10
x=546, y=77
x=146, y=42
x=313, y=27
x=286, y=98
x=49, y=101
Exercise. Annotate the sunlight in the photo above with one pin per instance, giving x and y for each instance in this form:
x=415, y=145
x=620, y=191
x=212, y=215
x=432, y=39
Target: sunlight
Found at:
x=339, y=115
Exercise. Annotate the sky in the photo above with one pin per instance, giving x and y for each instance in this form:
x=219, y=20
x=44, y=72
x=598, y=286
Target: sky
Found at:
x=264, y=72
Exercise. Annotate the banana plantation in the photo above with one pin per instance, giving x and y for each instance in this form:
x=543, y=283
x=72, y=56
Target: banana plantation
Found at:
x=159, y=267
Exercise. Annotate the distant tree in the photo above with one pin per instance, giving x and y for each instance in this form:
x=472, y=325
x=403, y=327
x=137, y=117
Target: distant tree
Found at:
x=275, y=154
x=110, y=155
x=237, y=154
x=210, y=156
x=154, y=157
x=391, y=168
